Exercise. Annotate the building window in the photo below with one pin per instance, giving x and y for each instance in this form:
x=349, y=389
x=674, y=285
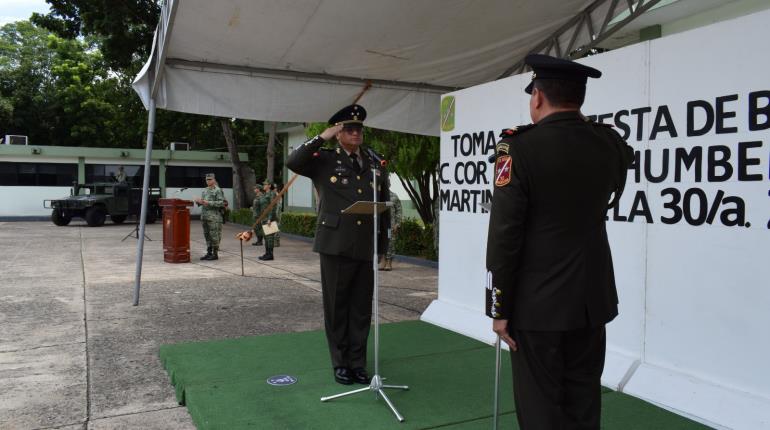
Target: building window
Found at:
x=193, y=176
x=38, y=174
x=134, y=174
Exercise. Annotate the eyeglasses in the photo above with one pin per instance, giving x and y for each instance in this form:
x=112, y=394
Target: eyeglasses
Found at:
x=351, y=130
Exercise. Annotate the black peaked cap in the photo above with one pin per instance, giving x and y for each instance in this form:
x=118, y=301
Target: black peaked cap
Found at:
x=353, y=114
x=547, y=67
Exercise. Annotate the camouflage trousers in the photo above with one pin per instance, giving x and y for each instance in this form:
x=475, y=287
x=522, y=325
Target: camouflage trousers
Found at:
x=258, y=233
x=391, y=247
x=212, y=231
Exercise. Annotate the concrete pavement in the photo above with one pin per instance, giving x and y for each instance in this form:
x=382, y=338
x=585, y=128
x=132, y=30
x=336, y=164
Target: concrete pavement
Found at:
x=75, y=353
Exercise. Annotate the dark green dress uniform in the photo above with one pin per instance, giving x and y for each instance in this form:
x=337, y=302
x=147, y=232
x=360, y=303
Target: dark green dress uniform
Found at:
x=549, y=262
x=344, y=242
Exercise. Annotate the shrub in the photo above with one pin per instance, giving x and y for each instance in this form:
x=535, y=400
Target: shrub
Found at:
x=415, y=240
x=302, y=224
x=241, y=216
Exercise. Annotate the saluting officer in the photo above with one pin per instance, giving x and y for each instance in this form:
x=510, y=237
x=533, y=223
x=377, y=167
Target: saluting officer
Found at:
x=552, y=286
x=342, y=176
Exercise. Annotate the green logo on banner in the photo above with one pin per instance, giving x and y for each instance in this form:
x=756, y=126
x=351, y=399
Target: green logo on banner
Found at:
x=448, y=113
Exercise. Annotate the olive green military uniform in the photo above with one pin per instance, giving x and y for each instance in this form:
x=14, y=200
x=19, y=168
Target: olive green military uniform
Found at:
x=549, y=258
x=550, y=262
x=256, y=209
x=211, y=217
x=272, y=215
x=344, y=242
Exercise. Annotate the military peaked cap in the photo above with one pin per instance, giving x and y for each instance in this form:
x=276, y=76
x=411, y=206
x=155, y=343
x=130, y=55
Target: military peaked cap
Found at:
x=353, y=114
x=547, y=67
x=210, y=176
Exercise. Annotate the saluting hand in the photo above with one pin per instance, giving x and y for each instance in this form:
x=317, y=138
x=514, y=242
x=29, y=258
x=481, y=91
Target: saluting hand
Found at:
x=501, y=328
x=331, y=132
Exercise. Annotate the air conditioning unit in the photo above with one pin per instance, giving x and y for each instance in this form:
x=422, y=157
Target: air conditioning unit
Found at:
x=15, y=139
x=180, y=146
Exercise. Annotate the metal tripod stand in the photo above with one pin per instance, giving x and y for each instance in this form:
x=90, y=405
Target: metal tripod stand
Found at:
x=376, y=386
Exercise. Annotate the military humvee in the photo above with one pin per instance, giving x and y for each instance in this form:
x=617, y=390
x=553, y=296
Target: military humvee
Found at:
x=95, y=201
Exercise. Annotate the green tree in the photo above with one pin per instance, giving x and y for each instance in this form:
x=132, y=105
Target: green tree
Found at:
x=413, y=158
x=124, y=32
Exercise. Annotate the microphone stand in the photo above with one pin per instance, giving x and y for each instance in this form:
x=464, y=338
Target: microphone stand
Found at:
x=376, y=384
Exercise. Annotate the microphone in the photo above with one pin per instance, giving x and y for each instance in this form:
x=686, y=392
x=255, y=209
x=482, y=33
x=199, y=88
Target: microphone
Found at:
x=377, y=158
x=492, y=157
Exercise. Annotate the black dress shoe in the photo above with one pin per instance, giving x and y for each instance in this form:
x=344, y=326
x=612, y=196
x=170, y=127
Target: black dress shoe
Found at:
x=342, y=376
x=360, y=376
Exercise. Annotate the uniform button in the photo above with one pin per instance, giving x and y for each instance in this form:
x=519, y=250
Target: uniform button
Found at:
x=498, y=292
x=358, y=177
x=497, y=304
x=323, y=222
x=497, y=314
x=359, y=191
x=358, y=222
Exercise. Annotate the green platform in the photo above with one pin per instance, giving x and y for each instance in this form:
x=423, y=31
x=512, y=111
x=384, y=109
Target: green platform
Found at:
x=223, y=384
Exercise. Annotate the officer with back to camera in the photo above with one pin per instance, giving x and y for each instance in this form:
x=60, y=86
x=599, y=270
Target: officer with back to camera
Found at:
x=552, y=286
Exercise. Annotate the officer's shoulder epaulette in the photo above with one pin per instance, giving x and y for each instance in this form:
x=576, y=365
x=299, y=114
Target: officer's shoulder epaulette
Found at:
x=509, y=132
x=598, y=124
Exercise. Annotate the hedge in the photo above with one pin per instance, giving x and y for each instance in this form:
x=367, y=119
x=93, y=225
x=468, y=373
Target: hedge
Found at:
x=302, y=224
x=412, y=239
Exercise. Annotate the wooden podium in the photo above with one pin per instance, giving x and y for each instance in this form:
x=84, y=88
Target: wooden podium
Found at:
x=176, y=230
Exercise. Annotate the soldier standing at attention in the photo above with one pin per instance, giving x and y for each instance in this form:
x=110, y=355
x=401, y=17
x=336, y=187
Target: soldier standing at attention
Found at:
x=395, y=223
x=268, y=194
x=345, y=243
x=551, y=284
x=212, y=201
x=256, y=209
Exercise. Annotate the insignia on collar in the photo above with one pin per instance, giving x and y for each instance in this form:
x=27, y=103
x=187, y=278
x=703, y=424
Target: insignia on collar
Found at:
x=333, y=179
x=503, y=168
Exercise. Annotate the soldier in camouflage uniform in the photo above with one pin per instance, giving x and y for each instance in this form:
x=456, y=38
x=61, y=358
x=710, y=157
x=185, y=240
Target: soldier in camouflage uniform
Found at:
x=256, y=209
x=212, y=202
x=267, y=197
x=279, y=206
x=395, y=222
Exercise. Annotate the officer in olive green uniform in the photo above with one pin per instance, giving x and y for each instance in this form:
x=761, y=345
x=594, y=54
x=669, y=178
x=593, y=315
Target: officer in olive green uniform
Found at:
x=212, y=202
x=342, y=176
x=268, y=194
x=256, y=209
x=552, y=286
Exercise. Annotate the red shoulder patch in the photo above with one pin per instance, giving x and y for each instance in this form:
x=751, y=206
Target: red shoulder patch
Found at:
x=503, y=167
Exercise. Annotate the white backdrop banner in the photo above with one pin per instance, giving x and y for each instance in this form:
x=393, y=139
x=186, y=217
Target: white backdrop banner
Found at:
x=691, y=236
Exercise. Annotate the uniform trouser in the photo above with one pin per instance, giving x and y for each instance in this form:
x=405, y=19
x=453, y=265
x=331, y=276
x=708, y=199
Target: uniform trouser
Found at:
x=212, y=231
x=347, y=296
x=258, y=232
x=391, y=246
x=556, y=378
x=269, y=241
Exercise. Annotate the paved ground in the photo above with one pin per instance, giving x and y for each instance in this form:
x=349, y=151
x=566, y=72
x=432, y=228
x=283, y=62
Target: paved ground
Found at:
x=75, y=353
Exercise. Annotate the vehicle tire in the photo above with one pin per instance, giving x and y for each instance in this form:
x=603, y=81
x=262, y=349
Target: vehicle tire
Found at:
x=117, y=219
x=59, y=218
x=95, y=216
x=151, y=216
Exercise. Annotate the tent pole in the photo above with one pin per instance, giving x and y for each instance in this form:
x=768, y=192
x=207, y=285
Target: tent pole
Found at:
x=145, y=200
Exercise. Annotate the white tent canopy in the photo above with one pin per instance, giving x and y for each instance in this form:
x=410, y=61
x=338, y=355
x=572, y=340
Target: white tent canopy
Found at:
x=301, y=60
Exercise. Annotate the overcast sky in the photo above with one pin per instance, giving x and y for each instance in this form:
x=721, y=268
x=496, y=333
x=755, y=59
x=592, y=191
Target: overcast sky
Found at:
x=15, y=10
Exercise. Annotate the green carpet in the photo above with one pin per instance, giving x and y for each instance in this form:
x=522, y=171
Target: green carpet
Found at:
x=223, y=384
